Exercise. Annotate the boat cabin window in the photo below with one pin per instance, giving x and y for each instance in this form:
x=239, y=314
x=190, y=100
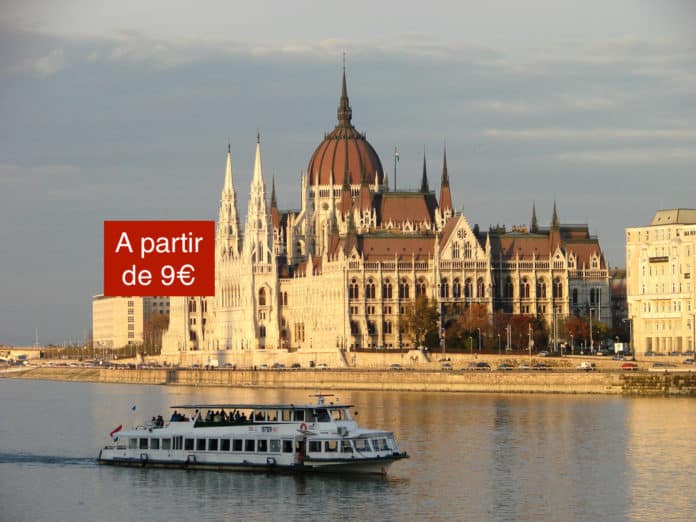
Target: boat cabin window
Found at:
x=237, y=444
x=287, y=446
x=286, y=415
x=249, y=445
x=132, y=443
x=178, y=442
x=200, y=444
x=322, y=415
x=154, y=444
x=166, y=444
x=298, y=415
x=340, y=414
x=188, y=444
x=260, y=416
x=143, y=444
x=346, y=446
x=315, y=446
x=272, y=415
x=380, y=444
x=331, y=446
x=212, y=444
x=262, y=445
x=224, y=444
x=274, y=446
x=362, y=445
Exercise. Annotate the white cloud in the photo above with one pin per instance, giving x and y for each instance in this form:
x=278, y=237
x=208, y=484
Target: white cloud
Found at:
x=601, y=135
x=632, y=156
x=50, y=64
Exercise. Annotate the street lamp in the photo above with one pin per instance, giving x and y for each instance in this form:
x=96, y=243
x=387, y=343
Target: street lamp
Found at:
x=591, y=340
x=572, y=345
x=498, y=344
x=471, y=345
x=479, y=339
x=629, y=321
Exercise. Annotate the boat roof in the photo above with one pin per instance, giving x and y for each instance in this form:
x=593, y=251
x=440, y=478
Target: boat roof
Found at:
x=251, y=406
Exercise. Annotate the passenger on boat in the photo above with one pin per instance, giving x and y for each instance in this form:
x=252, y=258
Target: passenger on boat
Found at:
x=175, y=416
x=160, y=421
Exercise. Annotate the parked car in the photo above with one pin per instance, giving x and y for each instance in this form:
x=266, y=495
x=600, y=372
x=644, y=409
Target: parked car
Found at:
x=483, y=366
x=674, y=354
x=278, y=366
x=587, y=366
x=544, y=354
x=629, y=367
x=689, y=361
x=322, y=366
x=541, y=367
x=504, y=367
x=524, y=367
x=294, y=366
x=446, y=366
x=395, y=366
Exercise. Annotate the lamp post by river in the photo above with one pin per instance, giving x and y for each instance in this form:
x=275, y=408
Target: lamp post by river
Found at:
x=498, y=344
x=591, y=340
x=479, y=339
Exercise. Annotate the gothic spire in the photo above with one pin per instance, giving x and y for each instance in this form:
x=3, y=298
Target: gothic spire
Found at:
x=534, y=226
x=424, y=180
x=554, y=220
x=345, y=114
x=274, y=202
x=445, y=194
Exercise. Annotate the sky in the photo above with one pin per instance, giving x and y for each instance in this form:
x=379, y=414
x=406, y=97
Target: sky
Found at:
x=124, y=110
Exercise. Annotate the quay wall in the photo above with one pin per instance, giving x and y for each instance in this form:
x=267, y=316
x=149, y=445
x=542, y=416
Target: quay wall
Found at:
x=571, y=382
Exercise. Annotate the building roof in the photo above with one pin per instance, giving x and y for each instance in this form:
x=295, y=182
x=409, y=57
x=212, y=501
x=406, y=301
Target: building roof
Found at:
x=675, y=216
x=402, y=207
x=344, y=151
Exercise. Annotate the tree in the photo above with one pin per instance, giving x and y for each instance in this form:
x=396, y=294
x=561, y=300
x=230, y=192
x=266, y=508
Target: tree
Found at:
x=153, y=329
x=420, y=319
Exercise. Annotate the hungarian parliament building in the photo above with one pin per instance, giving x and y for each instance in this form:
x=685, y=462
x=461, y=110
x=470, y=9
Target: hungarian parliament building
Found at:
x=340, y=272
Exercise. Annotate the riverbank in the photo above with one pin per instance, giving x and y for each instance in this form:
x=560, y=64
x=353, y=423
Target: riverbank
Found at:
x=557, y=382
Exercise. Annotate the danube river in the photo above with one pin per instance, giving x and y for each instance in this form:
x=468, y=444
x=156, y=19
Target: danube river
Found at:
x=474, y=457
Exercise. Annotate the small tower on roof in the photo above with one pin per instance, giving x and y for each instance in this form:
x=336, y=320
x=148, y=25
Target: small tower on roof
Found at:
x=534, y=225
x=424, y=179
x=445, y=193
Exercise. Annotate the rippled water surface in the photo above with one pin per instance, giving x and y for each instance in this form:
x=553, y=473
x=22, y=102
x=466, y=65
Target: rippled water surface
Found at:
x=474, y=457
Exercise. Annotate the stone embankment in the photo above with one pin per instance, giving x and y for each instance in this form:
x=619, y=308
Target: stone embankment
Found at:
x=561, y=382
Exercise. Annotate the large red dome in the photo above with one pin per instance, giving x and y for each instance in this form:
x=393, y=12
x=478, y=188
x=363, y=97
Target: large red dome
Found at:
x=344, y=150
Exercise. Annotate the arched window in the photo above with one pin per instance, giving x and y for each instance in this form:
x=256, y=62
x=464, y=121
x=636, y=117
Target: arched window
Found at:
x=403, y=289
x=557, y=288
x=480, y=288
x=388, y=327
x=468, y=288
x=467, y=250
x=524, y=289
x=353, y=292
x=455, y=250
x=285, y=298
x=444, y=288
x=541, y=289
x=420, y=287
x=575, y=296
x=456, y=289
x=370, y=289
x=262, y=297
x=508, y=289
x=262, y=331
x=387, y=290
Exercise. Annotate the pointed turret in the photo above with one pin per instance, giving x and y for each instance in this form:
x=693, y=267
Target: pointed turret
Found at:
x=345, y=113
x=445, y=194
x=258, y=232
x=364, y=197
x=424, y=180
x=534, y=226
x=274, y=202
x=228, y=217
x=554, y=219
x=275, y=215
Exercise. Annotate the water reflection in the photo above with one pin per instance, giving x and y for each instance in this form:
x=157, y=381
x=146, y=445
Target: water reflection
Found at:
x=474, y=457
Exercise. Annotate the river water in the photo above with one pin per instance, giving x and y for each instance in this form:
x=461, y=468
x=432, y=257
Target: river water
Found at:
x=473, y=457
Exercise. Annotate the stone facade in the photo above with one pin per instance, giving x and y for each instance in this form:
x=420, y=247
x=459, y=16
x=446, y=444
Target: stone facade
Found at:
x=120, y=321
x=660, y=259
x=339, y=273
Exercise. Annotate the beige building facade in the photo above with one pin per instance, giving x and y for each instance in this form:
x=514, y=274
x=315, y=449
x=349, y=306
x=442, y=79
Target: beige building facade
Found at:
x=660, y=260
x=120, y=321
x=339, y=273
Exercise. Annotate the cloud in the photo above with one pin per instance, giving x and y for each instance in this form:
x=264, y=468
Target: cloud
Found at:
x=599, y=135
x=50, y=64
x=657, y=156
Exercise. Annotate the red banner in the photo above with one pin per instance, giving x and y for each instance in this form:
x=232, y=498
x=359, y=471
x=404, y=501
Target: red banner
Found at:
x=172, y=258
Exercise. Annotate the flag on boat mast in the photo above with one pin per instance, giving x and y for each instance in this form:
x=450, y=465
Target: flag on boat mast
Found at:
x=133, y=408
x=116, y=430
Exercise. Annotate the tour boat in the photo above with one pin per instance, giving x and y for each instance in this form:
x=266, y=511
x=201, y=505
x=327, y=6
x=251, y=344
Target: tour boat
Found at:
x=316, y=437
